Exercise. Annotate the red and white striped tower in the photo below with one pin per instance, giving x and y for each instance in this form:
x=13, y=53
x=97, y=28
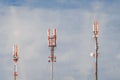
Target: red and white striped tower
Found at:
x=95, y=55
x=52, y=44
x=15, y=60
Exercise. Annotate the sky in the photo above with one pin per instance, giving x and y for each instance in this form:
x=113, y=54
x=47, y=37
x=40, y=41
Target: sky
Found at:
x=25, y=22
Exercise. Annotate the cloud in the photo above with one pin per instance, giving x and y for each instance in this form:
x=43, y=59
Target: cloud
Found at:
x=28, y=27
x=118, y=56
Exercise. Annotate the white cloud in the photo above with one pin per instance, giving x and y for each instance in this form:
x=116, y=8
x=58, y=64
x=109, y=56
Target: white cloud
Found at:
x=68, y=78
x=68, y=1
x=28, y=27
x=118, y=56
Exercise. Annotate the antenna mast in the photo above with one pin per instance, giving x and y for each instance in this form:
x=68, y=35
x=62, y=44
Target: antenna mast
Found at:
x=15, y=60
x=52, y=44
x=95, y=54
x=95, y=31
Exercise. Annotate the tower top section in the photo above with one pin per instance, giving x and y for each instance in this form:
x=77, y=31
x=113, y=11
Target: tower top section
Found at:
x=52, y=38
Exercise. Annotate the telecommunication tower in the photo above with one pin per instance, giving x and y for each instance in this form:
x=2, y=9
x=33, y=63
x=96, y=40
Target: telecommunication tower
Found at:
x=95, y=54
x=15, y=60
x=52, y=44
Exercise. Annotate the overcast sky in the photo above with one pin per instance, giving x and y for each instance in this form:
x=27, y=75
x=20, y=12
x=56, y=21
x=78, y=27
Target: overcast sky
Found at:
x=25, y=22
